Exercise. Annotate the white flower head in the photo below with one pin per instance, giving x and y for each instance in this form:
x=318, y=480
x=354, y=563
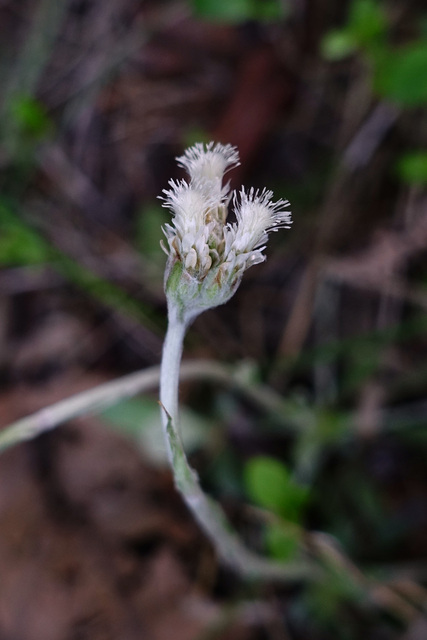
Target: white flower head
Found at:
x=207, y=255
x=190, y=205
x=209, y=162
x=256, y=216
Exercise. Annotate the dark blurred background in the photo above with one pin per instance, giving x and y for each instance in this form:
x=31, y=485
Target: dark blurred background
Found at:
x=324, y=426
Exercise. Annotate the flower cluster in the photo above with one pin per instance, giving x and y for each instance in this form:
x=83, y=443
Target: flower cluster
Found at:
x=207, y=254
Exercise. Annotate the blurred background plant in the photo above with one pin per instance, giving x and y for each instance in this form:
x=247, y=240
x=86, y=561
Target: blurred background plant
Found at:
x=315, y=418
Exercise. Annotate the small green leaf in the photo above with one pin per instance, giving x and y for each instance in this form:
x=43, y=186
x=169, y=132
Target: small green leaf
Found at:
x=412, y=168
x=337, y=45
x=268, y=483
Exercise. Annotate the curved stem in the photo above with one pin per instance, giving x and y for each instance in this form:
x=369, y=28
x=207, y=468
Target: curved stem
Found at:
x=206, y=511
x=105, y=395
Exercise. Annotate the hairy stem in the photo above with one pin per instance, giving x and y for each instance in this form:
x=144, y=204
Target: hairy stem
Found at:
x=209, y=514
x=169, y=378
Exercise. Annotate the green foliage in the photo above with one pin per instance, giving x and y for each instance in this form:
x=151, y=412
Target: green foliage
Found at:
x=338, y=44
x=359, y=355
x=29, y=115
x=282, y=542
x=108, y=293
x=412, y=168
x=238, y=10
x=366, y=28
x=269, y=484
x=20, y=245
x=367, y=23
x=266, y=481
x=401, y=75
x=25, y=124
